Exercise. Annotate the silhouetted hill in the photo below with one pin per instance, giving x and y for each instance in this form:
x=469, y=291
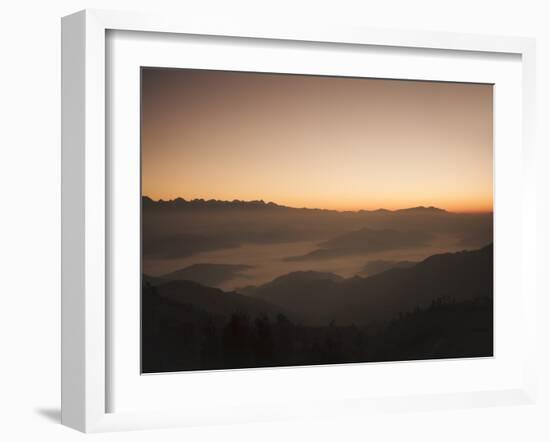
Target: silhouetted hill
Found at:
x=477, y=236
x=306, y=294
x=379, y=266
x=303, y=276
x=366, y=241
x=207, y=274
x=458, y=276
x=443, y=329
x=181, y=323
x=151, y=280
x=211, y=300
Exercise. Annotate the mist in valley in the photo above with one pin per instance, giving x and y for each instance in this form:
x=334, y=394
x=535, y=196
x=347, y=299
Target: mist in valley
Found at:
x=271, y=241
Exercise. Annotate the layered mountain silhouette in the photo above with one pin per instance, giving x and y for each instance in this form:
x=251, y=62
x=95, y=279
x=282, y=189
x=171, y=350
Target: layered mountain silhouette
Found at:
x=365, y=241
x=321, y=297
x=181, y=324
x=458, y=276
x=381, y=265
x=439, y=307
x=209, y=299
x=293, y=284
x=204, y=273
x=182, y=228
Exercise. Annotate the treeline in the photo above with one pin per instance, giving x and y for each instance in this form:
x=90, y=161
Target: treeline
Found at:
x=178, y=337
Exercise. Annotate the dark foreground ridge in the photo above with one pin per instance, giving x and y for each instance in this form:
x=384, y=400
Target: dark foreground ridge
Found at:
x=441, y=307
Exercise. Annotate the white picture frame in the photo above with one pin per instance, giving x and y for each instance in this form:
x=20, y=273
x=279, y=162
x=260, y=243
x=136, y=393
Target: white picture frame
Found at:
x=86, y=203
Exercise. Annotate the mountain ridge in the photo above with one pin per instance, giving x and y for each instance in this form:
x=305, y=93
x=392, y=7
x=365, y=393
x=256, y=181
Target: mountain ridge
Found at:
x=181, y=203
x=210, y=299
x=365, y=241
x=460, y=275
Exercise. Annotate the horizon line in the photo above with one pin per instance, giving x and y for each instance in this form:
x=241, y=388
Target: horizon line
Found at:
x=272, y=203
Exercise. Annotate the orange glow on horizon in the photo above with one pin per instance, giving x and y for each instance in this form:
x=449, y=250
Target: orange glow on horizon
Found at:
x=453, y=206
x=317, y=142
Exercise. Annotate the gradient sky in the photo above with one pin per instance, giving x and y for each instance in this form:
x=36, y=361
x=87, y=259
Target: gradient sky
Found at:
x=311, y=141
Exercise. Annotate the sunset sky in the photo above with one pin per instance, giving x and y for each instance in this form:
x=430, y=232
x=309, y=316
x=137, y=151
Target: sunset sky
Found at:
x=311, y=141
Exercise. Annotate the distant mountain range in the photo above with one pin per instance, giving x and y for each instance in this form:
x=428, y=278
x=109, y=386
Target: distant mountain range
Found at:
x=179, y=229
x=199, y=203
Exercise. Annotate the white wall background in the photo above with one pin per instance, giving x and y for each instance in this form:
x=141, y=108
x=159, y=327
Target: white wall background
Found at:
x=30, y=216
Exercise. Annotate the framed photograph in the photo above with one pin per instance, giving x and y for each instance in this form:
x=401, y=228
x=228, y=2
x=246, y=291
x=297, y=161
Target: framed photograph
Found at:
x=263, y=222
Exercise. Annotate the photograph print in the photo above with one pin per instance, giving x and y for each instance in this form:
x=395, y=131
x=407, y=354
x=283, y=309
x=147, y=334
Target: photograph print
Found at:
x=295, y=220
